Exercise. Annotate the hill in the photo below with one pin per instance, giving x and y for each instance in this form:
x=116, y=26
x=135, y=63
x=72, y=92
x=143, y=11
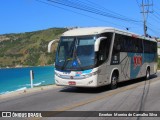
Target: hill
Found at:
x=28, y=49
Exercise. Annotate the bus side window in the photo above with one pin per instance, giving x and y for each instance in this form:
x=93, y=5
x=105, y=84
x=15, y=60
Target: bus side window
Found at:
x=117, y=47
x=102, y=52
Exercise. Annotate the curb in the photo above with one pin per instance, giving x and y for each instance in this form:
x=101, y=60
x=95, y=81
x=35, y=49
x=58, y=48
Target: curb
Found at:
x=28, y=91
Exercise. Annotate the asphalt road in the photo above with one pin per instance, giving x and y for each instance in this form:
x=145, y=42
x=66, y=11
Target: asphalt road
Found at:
x=134, y=95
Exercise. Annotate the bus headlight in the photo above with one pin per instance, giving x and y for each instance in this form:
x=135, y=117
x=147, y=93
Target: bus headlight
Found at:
x=87, y=75
x=91, y=74
x=95, y=73
x=57, y=74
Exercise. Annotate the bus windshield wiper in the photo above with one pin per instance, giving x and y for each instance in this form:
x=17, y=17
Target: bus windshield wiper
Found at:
x=66, y=62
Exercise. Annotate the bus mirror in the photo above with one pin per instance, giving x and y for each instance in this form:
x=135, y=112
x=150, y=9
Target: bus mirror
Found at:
x=97, y=43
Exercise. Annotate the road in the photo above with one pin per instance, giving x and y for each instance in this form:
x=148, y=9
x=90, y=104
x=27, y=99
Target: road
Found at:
x=135, y=95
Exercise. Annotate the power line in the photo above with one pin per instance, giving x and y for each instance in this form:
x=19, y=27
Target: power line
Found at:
x=158, y=18
x=155, y=19
x=92, y=8
x=151, y=26
x=157, y=8
x=138, y=4
x=145, y=6
x=157, y=14
x=101, y=7
x=153, y=31
x=81, y=14
x=89, y=9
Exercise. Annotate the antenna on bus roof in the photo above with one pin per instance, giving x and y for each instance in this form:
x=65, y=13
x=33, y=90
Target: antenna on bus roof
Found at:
x=71, y=28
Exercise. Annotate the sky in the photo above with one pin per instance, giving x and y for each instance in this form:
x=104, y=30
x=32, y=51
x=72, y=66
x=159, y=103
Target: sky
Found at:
x=18, y=16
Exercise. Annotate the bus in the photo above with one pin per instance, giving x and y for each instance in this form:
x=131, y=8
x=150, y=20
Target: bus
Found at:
x=99, y=56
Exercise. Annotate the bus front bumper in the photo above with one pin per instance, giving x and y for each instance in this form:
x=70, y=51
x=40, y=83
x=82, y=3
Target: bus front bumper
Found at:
x=86, y=82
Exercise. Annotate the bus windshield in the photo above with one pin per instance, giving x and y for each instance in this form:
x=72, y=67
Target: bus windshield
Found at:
x=76, y=53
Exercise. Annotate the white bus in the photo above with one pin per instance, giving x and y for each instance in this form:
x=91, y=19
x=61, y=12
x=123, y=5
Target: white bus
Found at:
x=98, y=56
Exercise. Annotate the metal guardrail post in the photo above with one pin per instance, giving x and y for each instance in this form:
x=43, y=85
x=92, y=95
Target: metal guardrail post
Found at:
x=31, y=77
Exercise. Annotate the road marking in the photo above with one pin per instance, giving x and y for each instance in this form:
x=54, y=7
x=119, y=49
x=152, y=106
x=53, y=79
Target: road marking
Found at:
x=110, y=93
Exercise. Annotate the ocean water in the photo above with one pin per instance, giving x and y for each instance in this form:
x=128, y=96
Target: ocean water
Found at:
x=15, y=79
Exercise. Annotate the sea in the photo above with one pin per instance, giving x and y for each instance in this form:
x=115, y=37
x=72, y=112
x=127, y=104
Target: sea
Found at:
x=16, y=79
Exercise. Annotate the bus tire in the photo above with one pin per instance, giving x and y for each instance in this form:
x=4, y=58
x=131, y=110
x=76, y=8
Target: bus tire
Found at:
x=147, y=74
x=114, y=81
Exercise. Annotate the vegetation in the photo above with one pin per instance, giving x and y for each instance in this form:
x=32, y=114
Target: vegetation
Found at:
x=28, y=49
x=158, y=63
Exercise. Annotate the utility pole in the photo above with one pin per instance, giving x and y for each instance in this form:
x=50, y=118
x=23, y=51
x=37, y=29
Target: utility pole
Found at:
x=145, y=15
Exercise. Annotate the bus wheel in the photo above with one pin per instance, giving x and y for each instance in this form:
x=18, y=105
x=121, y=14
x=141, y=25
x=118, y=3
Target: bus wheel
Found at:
x=147, y=74
x=114, y=81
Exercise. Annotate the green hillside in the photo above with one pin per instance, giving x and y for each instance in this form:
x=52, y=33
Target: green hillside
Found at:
x=28, y=49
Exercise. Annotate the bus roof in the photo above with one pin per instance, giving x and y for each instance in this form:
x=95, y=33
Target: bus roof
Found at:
x=86, y=31
x=99, y=30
